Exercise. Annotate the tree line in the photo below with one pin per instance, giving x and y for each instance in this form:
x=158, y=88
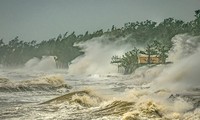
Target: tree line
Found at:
x=17, y=52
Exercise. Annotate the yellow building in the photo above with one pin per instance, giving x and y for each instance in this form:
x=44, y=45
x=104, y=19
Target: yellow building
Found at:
x=143, y=59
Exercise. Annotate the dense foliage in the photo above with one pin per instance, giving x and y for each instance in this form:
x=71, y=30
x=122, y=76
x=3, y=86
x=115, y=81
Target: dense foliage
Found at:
x=130, y=60
x=18, y=52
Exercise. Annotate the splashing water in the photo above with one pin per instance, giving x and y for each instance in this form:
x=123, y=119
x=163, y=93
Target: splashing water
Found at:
x=162, y=92
x=184, y=73
x=98, y=53
x=46, y=63
x=183, y=46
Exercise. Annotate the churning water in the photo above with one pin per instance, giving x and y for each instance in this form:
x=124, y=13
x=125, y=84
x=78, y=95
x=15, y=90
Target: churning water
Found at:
x=92, y=90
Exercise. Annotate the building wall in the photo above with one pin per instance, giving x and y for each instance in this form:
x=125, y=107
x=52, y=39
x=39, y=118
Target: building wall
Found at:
x=144, y=60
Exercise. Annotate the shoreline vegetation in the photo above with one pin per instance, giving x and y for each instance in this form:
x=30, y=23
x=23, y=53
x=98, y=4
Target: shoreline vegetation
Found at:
x=154, y=53
x=155, y=36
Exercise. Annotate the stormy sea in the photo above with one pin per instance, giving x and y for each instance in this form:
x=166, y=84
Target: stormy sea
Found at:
x=93, y=89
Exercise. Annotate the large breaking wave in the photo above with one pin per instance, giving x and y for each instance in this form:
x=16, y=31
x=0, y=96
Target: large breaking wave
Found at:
x=44, y=83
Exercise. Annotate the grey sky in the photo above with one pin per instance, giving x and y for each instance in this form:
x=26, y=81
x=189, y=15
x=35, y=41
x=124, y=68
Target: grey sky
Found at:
x=45, y=19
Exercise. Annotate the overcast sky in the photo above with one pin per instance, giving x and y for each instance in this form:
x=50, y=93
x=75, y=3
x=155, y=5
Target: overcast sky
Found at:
x=44, y=19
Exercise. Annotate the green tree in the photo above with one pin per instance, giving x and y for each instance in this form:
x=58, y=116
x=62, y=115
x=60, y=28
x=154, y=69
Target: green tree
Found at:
x=128, y=61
